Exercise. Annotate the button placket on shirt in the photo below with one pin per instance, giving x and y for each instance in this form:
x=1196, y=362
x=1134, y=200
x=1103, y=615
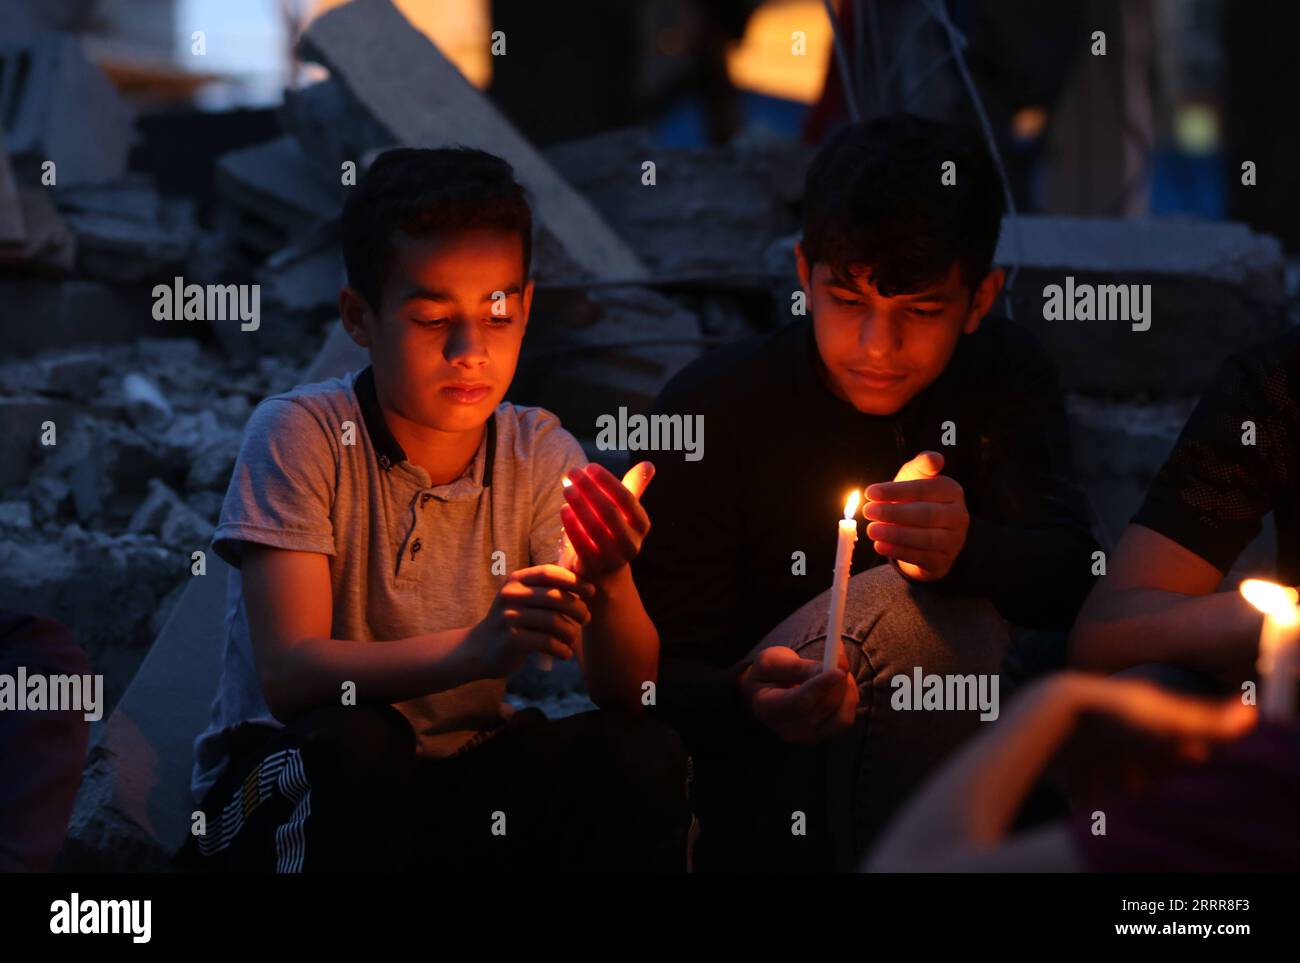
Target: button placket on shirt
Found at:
x=414, y=543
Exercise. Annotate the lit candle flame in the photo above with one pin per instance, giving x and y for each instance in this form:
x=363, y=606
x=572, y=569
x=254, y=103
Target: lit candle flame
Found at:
x=1275, y=601
x=851, y=504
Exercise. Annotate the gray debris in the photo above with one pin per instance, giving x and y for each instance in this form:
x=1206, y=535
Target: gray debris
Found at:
x=710, y=214
x=128, y=232
x=144, y=402
x=276, y=193
x=15, y=515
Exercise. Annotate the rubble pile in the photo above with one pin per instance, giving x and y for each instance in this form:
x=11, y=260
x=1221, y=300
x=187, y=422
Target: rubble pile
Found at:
x=97, y=529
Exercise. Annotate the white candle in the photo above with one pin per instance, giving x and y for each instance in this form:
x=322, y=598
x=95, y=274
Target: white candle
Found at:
x=1279, y=646
x=846, y=537
x=568, y=559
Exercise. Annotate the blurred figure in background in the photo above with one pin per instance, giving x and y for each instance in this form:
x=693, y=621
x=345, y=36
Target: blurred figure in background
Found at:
x=41, y=751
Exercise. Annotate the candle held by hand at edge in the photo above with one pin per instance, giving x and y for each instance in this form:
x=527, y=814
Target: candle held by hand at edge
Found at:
x=1279, y=646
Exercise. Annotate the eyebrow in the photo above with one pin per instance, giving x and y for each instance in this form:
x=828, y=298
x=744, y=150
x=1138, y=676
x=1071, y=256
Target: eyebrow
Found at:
x=444, y=297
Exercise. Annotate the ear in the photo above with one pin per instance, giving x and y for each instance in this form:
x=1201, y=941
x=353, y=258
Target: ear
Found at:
x=805, y=271
x=527, y=300
x=982, y=302
x=356, y=315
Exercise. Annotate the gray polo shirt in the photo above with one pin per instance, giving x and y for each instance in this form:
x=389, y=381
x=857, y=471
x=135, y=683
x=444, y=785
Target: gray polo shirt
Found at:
x=319, y=471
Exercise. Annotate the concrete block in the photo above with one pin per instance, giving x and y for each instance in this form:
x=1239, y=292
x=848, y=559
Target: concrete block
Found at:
x=406, y=84
x=58, y=106
x=1215, y=288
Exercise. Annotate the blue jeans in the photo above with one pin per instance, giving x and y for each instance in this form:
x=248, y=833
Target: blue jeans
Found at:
x=856, y=782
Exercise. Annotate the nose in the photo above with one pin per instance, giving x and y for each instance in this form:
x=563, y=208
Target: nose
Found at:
x=465, y=345
x=878, y=334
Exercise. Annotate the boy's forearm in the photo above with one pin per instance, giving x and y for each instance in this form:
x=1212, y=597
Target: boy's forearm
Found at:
x=312, y=672
x=620, y=645
x=1122, y=628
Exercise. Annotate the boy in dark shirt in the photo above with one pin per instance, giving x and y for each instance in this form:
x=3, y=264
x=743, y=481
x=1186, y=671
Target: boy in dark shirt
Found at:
x=954, y=426
x=1237, y=460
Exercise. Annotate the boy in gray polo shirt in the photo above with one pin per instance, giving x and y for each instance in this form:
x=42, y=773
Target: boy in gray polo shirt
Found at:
x=392, y=535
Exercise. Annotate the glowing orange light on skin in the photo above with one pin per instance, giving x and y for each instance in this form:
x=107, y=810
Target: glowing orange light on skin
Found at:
x=1279, y=645
x=634, y=481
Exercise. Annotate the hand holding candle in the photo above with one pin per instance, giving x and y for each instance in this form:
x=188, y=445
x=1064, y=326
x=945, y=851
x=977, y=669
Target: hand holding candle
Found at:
x=1279, y=646
x=846, y=537
x=606, y=521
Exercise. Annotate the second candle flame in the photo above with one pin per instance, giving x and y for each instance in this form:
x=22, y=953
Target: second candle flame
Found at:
x=1278, y=601
x=851, y=504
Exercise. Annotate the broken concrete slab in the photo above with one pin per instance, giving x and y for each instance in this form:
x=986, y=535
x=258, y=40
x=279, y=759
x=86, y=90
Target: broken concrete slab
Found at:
x=305, y=277
x=1227, y=252
x=1215, y=288
x=61, y=108
x=406, y=84
x=708, y=216
x=127, y=231
x=333, y=127
x=276, y=193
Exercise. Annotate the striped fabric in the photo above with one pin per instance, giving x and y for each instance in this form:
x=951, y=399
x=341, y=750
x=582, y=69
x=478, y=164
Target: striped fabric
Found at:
x=280, y=772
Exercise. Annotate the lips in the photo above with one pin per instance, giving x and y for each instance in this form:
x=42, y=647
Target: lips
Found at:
x=466, y=393
x=877, y=379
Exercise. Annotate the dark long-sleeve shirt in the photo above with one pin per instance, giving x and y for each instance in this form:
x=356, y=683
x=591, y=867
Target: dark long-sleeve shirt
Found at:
x=719, y=570
x=1237, y=459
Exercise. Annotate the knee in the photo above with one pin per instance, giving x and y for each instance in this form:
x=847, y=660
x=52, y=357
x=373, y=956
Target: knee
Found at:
x=906, y=623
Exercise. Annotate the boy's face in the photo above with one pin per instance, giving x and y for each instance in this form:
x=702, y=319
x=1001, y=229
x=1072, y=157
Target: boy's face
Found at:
x=878, y=353
x=450, y=324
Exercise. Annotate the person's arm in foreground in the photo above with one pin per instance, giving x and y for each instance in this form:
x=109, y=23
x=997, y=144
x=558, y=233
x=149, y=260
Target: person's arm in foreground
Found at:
x=605, y=523
x=289, y=602
x=1158, y=604
x=959, y=819
x=1205, y=505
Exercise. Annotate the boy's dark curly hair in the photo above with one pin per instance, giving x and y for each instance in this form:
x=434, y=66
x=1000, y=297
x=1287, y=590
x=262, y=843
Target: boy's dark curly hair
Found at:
x=423, y=191
x=874, y=199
